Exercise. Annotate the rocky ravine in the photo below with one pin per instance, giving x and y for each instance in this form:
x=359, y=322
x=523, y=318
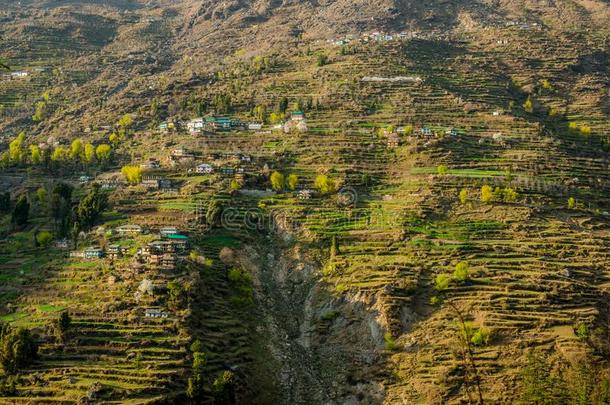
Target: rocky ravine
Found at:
x=330, y=349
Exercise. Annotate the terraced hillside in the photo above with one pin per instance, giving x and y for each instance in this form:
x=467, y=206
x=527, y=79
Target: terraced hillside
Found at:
x=414, y=216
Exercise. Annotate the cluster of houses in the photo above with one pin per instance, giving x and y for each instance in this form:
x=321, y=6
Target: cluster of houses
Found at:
x=394, y=140
x=209, y=124
x=212, y=124
x=163, y=253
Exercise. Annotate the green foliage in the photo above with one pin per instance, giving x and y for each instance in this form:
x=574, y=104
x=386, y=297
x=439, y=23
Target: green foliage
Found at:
x=21, y=212
x=442, y=170
x=132, y=174
x=241, y=282
x=585, y=130
x=5, y=201
x=195, y=385
x=64, y=321
x=390, y=343
x=571, y=203
x=178, y=293
x=15, y=148
x=234, y=185
x=278, y=181
x=529, y=105
x=89, y=153
x=461, y=272
x=213, y=213
x=35, y=155
x=582, y=332
x=322, y=60
x=540, y=385
x=480, y=337
x=282, y=105
x=44, y=238
x=102, y=152
x=486, y=194
x=324, y=184
x=17, y=348
x=509, y=195
x=39, y=111
x=59, y=154
x=441, y=282
x=196, y=346
x=464, y=196
x=223, y=388
x=90, y=207
x=222, y=103
x=292, y=181
x=76, y=149
x=60, y=207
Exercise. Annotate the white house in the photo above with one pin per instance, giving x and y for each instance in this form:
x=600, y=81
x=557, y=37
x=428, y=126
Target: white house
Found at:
x=255, y=126
x=195, y=125
x=204, y=169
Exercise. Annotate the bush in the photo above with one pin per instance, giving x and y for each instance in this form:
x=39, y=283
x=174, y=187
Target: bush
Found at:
x=461, y=271
x=17, y=348
x=390, y=343
x=442, y=170
x=571, y=203
x=133, y=174
x=44, y=238
x=481, y=337
x=277, y=181
x=463, y=196
x=529, y=105
x=441, y=282
x=324, y=184
x=486, y=194
x=582, y=332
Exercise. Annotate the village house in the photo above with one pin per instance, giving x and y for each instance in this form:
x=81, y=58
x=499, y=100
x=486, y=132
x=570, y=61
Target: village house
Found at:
x=167, y=126
x=19, y=74
x=393, y=141
x=255, y=126
x=195, y=125
x=297, y=116
x=155, y=313
x=204, y=169
x=426, y=131
x=156, y=183
x=128, y=229
x=304, y=194
x=116, y=251
x=168, y=230
x=92, y=253
x=151, y=164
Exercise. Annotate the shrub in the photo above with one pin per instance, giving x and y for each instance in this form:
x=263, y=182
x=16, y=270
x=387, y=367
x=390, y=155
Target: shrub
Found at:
x=17, y=348
x=582, y=332
x=292, y=181
x=442, y=170
x=463, y=196
x=441, y=282
x=322, y=60
x=510, y=195
x=481, y=337
x=585, y=130
x=461, y=271
x=529, y=105
x=133, y=174
x=390, y=343
x=44, y=238
x=277, y=181
x=571, y=203
x=324, y=184
x=486, y=194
